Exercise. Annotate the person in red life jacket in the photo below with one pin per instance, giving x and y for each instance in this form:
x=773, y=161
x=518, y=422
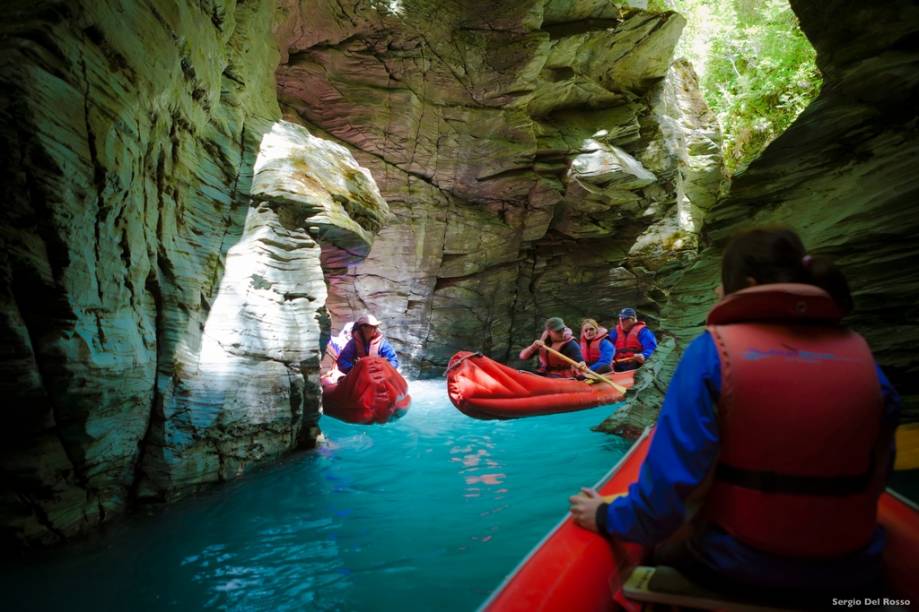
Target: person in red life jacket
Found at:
x=559, y=337
x=633, y=340
x=366, y=341
x=596, y=349
x=778, y=427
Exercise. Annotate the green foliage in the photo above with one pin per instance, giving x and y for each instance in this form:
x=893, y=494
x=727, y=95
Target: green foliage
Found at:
x=757, y=69
x=658, y=6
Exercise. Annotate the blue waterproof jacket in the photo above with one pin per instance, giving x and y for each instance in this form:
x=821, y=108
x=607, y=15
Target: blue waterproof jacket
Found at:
x=683, y=452
x=607, y=352
x=349, y=355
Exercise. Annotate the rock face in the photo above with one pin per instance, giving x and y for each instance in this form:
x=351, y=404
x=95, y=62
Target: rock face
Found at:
x=249, y=388
x=540, y=158
x=158, y=324
x=844, y=176
x=166, y=237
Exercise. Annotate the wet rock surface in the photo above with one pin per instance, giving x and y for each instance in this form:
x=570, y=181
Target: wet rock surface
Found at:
x=462, y=170
x=158, y=324
x=843, y=176
x=540, y=159
x=250, y=390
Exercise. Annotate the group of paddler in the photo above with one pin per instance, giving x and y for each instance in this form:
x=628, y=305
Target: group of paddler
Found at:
x=560, y=355
x=774, y=441
x=599, y=351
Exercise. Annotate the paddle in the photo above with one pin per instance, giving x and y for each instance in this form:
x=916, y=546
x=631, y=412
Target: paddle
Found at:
x=588, y=373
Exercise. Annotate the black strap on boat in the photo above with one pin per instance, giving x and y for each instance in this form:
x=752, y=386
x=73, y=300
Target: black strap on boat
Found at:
x=457, y=363
x=793, y=484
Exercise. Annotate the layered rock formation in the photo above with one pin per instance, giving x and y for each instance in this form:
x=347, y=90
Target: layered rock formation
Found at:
x=159, y=326
x=540, y=158
x=844, y=176
x=165, y=236
x=248, y=384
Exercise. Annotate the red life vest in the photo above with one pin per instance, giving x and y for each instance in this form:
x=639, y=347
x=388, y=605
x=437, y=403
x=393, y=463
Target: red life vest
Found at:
x=363, y=351
x=799, y=419
x=590, y=349
x=627, y=343
x=552, y=365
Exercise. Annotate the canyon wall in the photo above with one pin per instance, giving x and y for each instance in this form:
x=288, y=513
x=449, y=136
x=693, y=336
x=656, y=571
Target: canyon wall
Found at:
x=844, y=175
x=540, y=158
x=158, y=313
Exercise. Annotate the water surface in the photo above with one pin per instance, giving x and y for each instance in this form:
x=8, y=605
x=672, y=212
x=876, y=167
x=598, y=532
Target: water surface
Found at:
x=429, y=512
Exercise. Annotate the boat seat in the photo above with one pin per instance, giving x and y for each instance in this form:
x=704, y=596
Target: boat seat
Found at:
x=665, y=585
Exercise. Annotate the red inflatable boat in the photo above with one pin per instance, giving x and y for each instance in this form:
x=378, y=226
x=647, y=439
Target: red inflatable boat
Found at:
x=576, y=569
x=372, y=392
x=485, y=389
x=572, y=568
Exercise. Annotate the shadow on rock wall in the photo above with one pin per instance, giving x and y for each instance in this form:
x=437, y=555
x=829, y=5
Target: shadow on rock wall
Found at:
x=158, y=314
x=540, y=159
x=843, y=175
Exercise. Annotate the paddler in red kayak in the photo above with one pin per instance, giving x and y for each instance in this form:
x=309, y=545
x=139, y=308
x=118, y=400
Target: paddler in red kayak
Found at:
x=633, y=340
x=596, y=347
x=366, y=341
x=777, y=430
x=558, y=336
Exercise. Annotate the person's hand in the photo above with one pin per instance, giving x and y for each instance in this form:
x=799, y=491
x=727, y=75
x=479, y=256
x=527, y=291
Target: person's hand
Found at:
x=582, y=366
x=584, y=508
x=539, y=344
x=639, y=358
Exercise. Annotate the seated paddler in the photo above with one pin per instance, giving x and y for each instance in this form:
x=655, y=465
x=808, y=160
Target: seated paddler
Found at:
x=633, y=340
x=366, y=341
x=556, y=339
x=774, y=441
x=596, y=348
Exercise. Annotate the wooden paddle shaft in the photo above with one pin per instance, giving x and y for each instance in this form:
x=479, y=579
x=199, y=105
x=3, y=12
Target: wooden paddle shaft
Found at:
x=589, y=373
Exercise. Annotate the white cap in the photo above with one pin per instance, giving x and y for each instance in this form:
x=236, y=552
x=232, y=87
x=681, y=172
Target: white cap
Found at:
x=367, y=319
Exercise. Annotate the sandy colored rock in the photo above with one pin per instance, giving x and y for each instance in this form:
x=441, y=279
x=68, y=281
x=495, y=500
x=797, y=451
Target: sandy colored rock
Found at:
x=512, y=156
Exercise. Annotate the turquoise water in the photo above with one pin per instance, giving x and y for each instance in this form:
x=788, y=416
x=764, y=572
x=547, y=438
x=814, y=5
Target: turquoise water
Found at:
x=429, y=512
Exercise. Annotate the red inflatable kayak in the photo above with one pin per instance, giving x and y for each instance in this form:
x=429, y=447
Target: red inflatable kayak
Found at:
x=575, y=569
x=372, y=392
x=485, y=389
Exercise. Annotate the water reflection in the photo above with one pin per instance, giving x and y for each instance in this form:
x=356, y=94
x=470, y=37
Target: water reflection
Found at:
x=379, y=517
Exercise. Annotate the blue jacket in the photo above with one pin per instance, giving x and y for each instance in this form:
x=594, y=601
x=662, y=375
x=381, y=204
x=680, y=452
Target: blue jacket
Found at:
x=683, y=452
x=607, y=352
x=349, y=355
x=645, y=336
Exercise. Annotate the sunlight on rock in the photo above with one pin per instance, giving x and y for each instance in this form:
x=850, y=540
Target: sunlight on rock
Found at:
x=257, y=366
x=607, y=165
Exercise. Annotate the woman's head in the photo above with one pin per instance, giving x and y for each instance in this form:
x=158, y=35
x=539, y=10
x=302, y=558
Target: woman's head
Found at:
x=367, y=325
x=589, y=327
x=777, y=255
